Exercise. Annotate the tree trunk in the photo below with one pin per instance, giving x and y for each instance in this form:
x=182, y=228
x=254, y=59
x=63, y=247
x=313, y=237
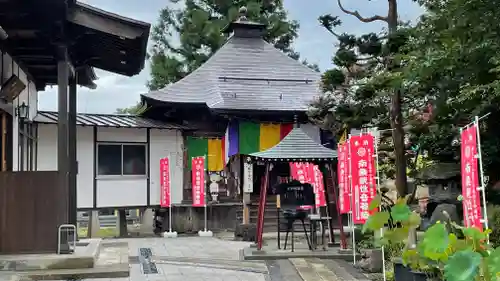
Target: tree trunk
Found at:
x=398, y=137
x=398, y=134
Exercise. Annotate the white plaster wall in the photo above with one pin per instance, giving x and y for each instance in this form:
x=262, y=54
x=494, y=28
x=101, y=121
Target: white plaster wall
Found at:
x=122, y=135
x=121, y=191
x=47, y=159
x=29, y=96
x=166, y=143
x=116, y=191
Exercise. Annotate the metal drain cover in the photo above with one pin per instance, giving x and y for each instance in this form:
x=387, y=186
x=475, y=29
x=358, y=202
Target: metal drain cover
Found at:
x=148, y=267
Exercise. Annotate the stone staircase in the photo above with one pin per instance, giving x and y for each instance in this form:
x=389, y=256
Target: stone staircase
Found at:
x=270, y=216
x=99, y=260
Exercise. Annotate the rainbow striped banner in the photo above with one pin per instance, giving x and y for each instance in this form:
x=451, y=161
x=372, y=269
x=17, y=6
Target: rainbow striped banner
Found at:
x=248, y=137
x=242, y=138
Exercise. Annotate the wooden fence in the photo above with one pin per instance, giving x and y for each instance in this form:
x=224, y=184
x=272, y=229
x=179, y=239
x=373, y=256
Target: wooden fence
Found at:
x=32, y=206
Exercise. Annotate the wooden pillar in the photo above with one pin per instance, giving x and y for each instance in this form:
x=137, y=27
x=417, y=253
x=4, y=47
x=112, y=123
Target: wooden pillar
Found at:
x=245, y=195
x=72, y=151
x=343, y=241
x=262, y=208
x=3, y=132
x=62, y=121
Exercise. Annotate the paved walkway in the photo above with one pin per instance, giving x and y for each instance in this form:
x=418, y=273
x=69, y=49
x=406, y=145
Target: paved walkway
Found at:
x=195, y=259
x=213, y=259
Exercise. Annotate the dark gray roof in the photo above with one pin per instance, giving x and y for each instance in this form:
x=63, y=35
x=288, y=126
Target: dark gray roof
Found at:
x=246, y=73
x=106, y=120
x=297, y=145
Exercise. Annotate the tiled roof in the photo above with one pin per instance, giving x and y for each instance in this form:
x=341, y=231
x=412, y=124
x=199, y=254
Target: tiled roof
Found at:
x=107, y=120
x=297, y=145
x=246, y=73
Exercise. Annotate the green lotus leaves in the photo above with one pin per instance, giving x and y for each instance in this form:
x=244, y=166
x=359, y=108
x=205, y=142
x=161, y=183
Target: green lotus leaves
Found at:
x=462, y=266
x=400, y=212
x=435, y=243
x=474, y=234
x=375, y=203
x=397, y=235
x=376, y=221
x=493, y=264
x=442, y=249
x=411, y=258
x=414, y=220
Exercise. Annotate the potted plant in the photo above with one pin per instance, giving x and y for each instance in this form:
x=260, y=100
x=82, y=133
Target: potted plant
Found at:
x=447, y=251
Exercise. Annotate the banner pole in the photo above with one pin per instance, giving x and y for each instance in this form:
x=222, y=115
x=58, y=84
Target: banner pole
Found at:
x=205, y=192
x=377, y=179
x=481, y=174
x=169, y=197
x=352, y=204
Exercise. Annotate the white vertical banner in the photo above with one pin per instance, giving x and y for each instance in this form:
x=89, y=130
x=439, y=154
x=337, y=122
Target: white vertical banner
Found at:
x=247, y=176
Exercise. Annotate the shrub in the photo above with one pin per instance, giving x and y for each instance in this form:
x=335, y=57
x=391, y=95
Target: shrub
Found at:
x=494, y=224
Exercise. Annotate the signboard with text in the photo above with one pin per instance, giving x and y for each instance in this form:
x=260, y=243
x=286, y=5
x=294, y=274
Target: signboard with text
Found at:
x=165, y=183
x=198, y=181
x=470, y=178
x=363, y=175
x=247, y=177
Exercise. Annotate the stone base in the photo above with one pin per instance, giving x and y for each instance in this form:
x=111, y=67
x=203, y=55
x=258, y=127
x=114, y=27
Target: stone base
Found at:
x=168, y=234
x=372, y=260
x=247, y=232
x=207, y=233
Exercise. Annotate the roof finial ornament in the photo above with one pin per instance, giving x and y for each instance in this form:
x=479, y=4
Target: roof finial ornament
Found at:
x=243, y=13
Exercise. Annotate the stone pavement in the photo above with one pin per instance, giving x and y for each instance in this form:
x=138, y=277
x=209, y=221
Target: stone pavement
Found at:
x=204, y=259
x=195, y=259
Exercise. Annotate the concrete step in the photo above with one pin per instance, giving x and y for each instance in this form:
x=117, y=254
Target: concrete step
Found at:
x=112, y=262
x=114, y=271
x=314, y=269
x=85, y=254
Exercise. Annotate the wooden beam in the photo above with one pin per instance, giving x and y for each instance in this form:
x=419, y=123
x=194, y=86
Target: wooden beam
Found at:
x=97, y=19
x=43, y=66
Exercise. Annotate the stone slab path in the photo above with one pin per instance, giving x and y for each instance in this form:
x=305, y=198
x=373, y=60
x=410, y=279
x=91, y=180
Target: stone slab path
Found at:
x=213, y=259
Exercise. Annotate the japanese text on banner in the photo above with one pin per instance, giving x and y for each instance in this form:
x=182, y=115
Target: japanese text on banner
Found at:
x=198, y=181
x=165, y=183
x=319, y=187
x=343, y=179
x=470, y=178
x=310, y=173
x=363, y=173
x=301, y=172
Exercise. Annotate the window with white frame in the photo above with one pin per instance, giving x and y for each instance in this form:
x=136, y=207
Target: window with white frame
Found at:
x=121, y=159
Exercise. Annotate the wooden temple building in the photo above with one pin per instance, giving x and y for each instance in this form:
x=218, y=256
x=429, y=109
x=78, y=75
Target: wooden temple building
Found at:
x=53, y=42
x=244, y=100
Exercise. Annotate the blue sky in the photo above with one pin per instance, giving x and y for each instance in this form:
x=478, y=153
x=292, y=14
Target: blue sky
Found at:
x=314, y=44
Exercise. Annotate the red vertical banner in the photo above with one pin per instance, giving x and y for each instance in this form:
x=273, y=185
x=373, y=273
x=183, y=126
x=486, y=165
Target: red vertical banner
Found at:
x=310, y=173
x=299, y=171
x=343, y=178
x=319, y=187
x=198, y=181
x=470, y=178
x=363, y=173
x=165, y=183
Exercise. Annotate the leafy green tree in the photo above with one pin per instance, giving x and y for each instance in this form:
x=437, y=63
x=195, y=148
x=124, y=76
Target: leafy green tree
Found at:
x=455, y=62
x=365, y=88
x=198, y=25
